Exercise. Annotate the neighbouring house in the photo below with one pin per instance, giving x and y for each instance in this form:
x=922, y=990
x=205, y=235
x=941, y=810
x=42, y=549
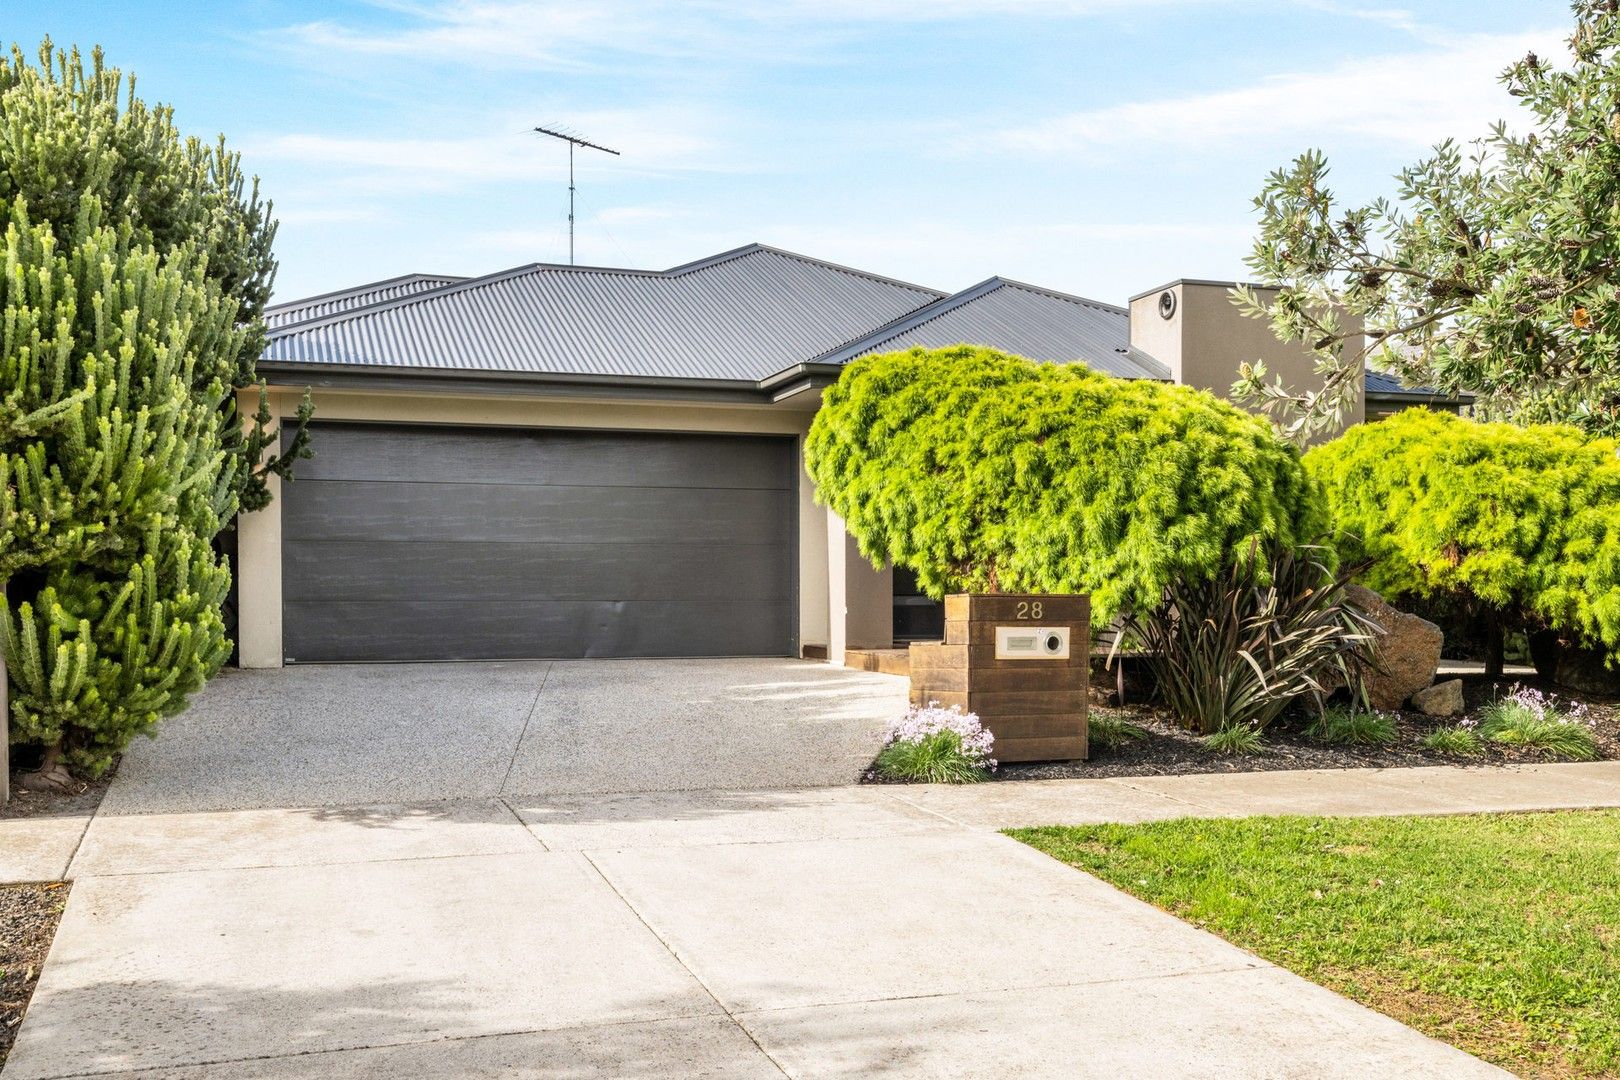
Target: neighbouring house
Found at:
x=561, y=461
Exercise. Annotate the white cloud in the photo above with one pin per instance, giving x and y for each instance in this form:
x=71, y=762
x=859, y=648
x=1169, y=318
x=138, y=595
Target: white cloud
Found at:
x=654, y=141
x=579, y=33
x=1415, y=99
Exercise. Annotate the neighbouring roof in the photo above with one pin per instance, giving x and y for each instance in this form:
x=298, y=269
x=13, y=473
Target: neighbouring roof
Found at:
x=313, y=307
x=1017, y=318
x=741, y=315
x=1381, y=384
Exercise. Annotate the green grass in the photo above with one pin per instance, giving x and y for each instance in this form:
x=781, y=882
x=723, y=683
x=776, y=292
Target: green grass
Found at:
x=1452, y=740
x=1344, y=726
x=1498, y=933
x=1112, y=732
x=934, y=759
x=1235, y=739
x=1515, y=724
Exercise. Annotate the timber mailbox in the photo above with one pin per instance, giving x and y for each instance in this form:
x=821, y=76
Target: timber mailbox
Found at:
x=1022, y=663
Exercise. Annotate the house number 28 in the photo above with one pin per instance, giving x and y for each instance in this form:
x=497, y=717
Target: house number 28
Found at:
x=1029, y=609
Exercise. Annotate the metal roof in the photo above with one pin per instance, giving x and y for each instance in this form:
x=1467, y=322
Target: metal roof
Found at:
x=743, y=314
x=312, y=307
x=1017, y=318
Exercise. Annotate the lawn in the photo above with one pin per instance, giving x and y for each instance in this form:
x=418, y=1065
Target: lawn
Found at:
x=1499, y=934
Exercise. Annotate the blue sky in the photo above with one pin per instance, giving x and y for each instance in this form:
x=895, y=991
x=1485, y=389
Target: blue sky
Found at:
x=1096, y=146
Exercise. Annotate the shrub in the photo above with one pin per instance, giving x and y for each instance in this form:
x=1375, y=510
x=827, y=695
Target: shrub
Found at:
x=1344, y=725
x=937, y=745
x=1452, y=740
x=1527, y=717
x=1237, y=650
x=1112, y=732
x=1519, y=525
x=981, y=471
x=1237, y=739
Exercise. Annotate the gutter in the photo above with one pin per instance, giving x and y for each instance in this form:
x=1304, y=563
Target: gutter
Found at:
x=770, y=390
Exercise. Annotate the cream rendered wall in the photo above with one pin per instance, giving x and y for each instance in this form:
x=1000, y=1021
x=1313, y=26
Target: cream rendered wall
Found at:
x=259, y=534
x=1208, y=338
x=861, y=597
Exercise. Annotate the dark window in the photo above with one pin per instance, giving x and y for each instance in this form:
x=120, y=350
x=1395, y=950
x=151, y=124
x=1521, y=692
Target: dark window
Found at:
x=917, y=617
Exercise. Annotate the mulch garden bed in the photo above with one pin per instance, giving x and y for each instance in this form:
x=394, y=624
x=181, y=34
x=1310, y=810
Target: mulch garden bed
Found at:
x=28, y=918
x=1168, y=750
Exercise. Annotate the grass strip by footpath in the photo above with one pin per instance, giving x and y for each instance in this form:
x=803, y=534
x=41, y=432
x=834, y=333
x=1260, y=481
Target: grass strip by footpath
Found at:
x=1497, y=933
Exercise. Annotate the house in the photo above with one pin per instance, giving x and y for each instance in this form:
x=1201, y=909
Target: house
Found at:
x=561, y=461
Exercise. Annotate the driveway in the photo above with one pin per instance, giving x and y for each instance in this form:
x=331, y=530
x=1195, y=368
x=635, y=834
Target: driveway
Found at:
x=324, y=735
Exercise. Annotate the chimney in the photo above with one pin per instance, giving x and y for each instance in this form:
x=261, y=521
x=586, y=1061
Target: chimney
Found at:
x=1195, y=330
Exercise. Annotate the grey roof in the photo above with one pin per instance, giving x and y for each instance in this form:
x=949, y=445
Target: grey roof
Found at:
x=1017, y=318
x=313, y=307
x=741, y=315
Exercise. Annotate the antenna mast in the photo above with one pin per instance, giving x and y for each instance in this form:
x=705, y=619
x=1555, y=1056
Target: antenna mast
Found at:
x=572, y=140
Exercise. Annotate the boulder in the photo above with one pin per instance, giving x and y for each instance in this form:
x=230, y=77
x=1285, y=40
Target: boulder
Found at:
x=1441, y=699
x=1407, y=651
x=1585, y=671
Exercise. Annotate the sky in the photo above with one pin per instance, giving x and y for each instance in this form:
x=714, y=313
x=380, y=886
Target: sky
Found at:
x=1100, y=147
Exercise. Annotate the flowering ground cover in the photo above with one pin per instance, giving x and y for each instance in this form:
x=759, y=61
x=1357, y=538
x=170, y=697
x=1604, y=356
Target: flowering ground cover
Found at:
x=1497, y=933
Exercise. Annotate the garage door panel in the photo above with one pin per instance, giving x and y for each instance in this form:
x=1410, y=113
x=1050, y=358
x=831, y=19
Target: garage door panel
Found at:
x=430, y=543
x=550, y=457
x=355, y=631
x=441, y=570
x=368, y=510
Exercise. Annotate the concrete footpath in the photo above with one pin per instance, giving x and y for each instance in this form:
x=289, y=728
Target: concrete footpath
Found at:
x=826, y=932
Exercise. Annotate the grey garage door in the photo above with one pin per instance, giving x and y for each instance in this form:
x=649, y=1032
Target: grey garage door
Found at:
x=428, y=543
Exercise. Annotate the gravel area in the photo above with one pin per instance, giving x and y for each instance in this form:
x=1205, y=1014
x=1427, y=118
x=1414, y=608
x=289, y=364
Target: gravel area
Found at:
x=1167, y=750
x=28, y=918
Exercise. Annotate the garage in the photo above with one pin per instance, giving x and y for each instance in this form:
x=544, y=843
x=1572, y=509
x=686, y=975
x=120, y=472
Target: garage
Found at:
x=415, y=542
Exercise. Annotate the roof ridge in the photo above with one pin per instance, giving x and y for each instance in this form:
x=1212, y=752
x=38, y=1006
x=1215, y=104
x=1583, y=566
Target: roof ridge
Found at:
x=302, y=325
x=811, y=260
x=305, y=301
x=1058, y=294
x=910, y=320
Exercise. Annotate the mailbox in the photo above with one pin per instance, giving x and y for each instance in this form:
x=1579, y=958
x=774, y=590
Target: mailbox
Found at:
x=1021, y=662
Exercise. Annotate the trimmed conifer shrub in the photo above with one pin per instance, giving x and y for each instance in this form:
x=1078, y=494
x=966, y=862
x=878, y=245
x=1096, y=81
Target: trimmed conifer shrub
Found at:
x=1520, y=525
x=985, y=472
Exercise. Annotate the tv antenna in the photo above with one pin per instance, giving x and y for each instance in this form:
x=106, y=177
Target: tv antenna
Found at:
x=572, y=140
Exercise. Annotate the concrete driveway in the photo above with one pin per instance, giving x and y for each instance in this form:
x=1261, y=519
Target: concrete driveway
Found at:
x=324, y=735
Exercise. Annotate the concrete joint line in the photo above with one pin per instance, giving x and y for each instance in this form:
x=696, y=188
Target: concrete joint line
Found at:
x=517, y=747
x=897, y=797
x=513, y=811
x=1257, y=965
x=362, y=1047
x=1123, y=781
x=67, y=867
x=625, y=900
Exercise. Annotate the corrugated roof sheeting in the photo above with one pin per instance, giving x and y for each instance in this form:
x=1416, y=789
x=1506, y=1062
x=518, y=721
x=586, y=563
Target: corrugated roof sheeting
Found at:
x=744, y=317
x=1020, y=319
x=277, y=315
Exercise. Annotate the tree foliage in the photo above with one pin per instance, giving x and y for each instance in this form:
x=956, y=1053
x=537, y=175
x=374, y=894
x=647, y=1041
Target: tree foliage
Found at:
x=1519, y=524
x=135, y=267
x=1495, y=270
x=981, y=471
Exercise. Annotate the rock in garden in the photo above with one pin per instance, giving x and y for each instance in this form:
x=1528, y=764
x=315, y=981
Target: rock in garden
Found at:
x=1441, y=699
x=1407, y=652
x=1584, y=670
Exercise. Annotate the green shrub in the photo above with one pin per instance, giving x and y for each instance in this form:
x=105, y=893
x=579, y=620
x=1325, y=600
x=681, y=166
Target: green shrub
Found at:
x=1237, y=739
x=1529, y=718
x=1237, y=650
x=1452, y=740
x=1343, y=725
x=985, y=472
x=1520, y=525
x=1112, y=732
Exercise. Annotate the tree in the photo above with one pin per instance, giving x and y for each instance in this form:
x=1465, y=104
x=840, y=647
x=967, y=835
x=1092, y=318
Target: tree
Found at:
x=1518, y=525
x=1495, y=271
x=981, y=471
x=137, y=263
